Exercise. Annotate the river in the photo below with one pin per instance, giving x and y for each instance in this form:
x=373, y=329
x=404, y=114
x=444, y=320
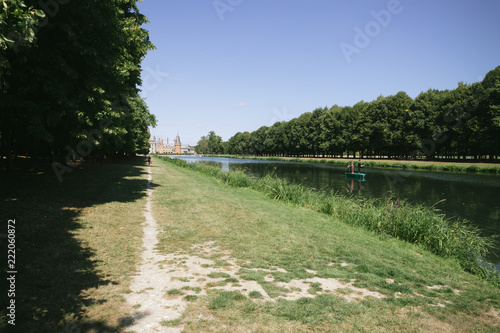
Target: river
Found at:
x=474, y=197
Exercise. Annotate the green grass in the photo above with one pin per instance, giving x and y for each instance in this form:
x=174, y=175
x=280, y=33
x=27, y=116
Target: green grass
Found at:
x=195, y=289
x=175, y=292
x=415, y=224
x=174, y=322
x=216, y=275
x=190, y=298
x=194, y=208
x=255, y=294
x=225, y=299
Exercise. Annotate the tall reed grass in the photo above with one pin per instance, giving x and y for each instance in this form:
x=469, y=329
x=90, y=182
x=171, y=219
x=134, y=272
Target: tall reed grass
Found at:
x=412, y=223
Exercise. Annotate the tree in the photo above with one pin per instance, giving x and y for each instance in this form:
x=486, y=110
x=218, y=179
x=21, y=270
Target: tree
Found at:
x=424, y=116
x=202, y=146
x=239, y=144
x=18, y=26
x=314, y=131
x=398, y=107
x=80, y=77
x=215, y=143
x=136, y=125
x=298, y=134
x=271, y=141
x=256, y=141
x=330, y=129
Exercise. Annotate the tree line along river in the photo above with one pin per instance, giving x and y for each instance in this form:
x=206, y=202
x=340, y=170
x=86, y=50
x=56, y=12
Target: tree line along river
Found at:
x=474, y=197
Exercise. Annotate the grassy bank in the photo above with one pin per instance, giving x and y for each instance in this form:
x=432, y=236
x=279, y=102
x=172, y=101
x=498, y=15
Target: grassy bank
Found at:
x=77, y=245
x=416, y=165
x=259, y=240
x=415, y=224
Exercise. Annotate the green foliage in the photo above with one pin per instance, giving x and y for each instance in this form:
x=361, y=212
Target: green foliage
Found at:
x=75, y=91
x=460, y=123
x=17, y=27
x=210, y=144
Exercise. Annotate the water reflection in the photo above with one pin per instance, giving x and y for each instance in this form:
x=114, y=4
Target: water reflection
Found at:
x=359, y=185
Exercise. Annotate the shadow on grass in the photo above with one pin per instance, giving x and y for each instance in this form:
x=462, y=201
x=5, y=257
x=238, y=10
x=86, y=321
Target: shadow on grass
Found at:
x=53, y=268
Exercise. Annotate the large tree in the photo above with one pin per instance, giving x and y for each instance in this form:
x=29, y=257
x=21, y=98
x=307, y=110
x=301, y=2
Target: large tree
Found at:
x=78, y=85
x=210, y=144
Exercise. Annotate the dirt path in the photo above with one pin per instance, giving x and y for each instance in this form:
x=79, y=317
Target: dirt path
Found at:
x=149, y=285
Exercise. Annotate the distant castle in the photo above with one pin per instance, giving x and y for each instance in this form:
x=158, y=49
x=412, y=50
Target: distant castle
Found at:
x=157, y=146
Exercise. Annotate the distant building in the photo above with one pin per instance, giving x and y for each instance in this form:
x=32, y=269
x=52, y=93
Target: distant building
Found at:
x=158, y=146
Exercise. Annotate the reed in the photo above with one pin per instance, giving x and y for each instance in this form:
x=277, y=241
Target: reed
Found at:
x=412, y=223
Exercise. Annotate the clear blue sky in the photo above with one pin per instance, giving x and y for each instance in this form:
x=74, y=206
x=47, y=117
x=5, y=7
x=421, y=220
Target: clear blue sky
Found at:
x=234, y=65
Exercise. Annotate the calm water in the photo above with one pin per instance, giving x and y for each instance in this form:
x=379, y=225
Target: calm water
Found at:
x=474, y=197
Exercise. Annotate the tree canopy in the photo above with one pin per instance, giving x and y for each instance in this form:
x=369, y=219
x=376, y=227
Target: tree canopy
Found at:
x=459, y=123
x=210, y=144
x=70, y=77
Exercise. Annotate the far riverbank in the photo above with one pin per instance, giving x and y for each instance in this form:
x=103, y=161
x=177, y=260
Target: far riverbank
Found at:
x=480, y=167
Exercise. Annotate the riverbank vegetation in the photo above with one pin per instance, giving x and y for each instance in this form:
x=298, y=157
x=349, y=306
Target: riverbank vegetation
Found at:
x=415, y=224
x=69, y=77
x=287, y=268
x=459, y=124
